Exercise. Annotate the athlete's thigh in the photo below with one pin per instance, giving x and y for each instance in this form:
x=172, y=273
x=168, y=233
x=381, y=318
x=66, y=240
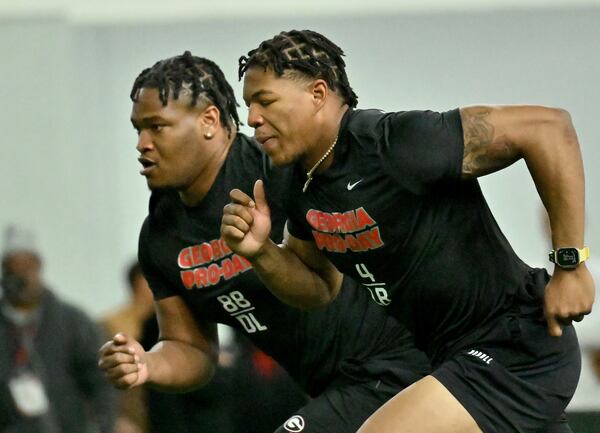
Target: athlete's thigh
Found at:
x=341, y=409
x=424, y=407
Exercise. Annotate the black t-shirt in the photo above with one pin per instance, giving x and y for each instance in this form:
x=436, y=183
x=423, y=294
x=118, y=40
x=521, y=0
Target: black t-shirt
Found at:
x=393, y=212
x=182, y=254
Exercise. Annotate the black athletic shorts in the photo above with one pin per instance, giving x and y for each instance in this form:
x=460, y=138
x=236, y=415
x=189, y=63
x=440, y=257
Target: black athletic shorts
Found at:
x=341, y=409
x=358, y=392
x=518, y=379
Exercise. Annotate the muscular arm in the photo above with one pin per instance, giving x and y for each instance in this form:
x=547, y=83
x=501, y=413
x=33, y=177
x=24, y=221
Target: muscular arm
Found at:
x=183, y=359
x=497, y=136
x=185, y=356
x=296, y=271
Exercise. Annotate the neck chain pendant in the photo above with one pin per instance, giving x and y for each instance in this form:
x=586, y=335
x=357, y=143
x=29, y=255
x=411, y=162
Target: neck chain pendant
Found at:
x=310, y=172
x=308, y=179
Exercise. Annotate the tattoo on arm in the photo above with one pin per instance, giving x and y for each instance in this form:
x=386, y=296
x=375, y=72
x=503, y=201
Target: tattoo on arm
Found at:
x=485, y=151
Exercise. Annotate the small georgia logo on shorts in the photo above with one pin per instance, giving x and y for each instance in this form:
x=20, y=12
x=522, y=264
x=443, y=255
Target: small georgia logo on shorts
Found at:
x=294, y=424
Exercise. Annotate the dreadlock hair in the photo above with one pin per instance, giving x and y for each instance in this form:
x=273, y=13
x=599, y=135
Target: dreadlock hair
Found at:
x=201, y=76
x=305, y=51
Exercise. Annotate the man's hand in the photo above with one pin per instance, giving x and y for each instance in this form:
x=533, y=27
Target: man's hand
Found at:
x=246, y=223
x=569, y=296
x=123, y=361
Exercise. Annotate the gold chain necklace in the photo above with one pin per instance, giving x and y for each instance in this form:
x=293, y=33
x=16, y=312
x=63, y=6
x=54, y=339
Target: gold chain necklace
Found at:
x=310, y=172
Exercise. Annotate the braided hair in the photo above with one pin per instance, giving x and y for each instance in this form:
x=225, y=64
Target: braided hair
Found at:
x=201, y=76
x=307, y=52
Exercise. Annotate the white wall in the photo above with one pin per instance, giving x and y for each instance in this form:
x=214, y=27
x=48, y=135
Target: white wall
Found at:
x=67, y=160
x=118, y=11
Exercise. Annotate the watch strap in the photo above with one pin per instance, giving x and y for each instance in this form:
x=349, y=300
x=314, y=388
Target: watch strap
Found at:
x=584, y=254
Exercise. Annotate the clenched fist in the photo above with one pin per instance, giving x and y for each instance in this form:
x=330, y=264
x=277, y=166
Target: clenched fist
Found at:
x=123, y=361
x=246, y=222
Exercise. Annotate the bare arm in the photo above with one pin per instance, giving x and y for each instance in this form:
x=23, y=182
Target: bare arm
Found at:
x=296, y=271
x=183, y=359
x=186, y=354
x=497, y=136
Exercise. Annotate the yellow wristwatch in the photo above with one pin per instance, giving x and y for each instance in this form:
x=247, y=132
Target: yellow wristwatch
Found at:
x=569, y=257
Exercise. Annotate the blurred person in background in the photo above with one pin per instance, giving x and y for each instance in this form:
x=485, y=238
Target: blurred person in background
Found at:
x=49, y=382
x=132, y=319
x=350, y=357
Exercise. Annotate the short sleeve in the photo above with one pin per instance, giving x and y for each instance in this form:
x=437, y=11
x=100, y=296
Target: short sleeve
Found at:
x=159, y=286
x=421, y=148
x=277, y=183
x=296, y=224
x=298, y=231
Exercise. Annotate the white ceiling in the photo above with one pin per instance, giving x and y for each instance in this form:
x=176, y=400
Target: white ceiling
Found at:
x=118, y=11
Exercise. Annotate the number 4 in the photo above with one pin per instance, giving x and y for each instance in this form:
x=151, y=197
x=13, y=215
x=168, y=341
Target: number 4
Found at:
x=364, y=272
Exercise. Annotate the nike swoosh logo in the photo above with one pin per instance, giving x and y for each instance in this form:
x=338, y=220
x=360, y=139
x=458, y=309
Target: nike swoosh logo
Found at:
x=351, y=185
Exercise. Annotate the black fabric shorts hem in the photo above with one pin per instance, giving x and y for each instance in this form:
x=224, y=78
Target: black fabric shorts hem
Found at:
x=340, y=409
x=516, y=385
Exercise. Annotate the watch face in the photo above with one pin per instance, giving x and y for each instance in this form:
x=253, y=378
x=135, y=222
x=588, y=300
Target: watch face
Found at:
x=567, y=257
